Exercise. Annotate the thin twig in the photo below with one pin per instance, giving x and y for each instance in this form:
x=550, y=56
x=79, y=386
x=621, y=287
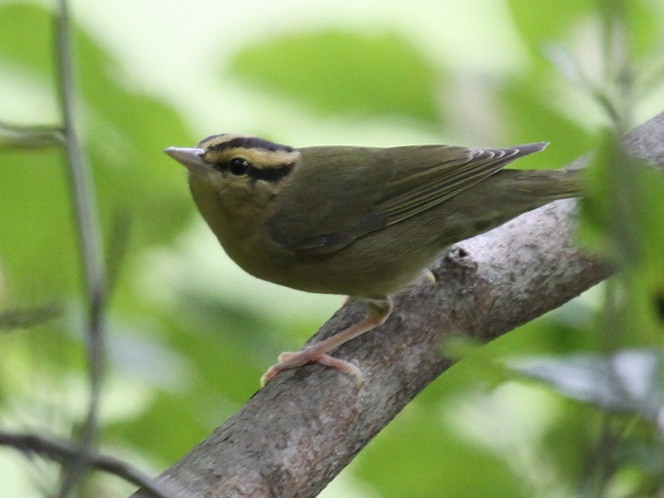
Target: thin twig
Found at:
x=29, y=137
x=92, y=261
x=62, y=451
x=23, y=318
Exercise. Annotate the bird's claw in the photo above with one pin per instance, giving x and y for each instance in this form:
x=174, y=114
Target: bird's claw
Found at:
x=288, y=360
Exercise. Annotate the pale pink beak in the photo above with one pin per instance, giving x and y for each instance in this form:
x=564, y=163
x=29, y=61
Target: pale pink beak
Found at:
x=192, y=158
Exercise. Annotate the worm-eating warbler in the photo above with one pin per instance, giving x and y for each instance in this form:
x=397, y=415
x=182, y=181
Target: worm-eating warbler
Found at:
x=357, y=221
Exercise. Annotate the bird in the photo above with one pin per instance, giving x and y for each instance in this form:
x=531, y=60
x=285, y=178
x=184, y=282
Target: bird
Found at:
x=363, y=222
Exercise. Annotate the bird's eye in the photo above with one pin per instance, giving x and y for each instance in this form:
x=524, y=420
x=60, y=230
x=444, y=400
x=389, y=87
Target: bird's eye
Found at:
x=239, y=166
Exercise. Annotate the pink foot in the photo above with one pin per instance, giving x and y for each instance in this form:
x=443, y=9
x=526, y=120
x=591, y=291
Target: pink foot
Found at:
x=310, y=355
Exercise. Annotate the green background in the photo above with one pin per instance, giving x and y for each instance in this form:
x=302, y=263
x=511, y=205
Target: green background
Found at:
x=189, y=334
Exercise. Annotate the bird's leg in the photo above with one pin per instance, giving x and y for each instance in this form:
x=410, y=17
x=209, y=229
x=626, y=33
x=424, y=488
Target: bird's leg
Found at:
x=377, y=313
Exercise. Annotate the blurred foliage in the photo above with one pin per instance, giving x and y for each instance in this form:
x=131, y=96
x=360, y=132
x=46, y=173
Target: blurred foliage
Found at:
x=185, y=353
x=125, y=131
x=338, y=72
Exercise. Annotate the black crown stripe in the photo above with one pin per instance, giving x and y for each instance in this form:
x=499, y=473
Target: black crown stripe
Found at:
x=251, y=143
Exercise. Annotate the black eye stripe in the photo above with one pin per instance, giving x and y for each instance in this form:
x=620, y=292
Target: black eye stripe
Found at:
x=272, y=174
x=239, y=167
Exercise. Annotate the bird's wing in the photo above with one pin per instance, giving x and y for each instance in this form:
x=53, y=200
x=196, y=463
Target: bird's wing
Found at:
x=365, y=190
x=420, y=188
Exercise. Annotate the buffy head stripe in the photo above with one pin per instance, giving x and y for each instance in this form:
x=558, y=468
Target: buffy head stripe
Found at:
x=248, y=143
x=265, y=160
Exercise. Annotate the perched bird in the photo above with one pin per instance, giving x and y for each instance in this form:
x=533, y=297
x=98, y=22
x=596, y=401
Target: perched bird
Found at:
x=357, y=221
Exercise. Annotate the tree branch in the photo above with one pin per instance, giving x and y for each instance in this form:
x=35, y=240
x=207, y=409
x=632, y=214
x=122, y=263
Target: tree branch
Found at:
x=91, y=255
x=295, y=435
x=61, y=451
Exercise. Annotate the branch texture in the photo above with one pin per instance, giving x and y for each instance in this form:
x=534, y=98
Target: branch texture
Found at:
x=295, y=435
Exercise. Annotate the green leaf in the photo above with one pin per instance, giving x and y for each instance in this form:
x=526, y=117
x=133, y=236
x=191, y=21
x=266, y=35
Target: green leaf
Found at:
x=628, y=380
x=623, y=215
x=26, y=39
x=530, y=115
x=39, y=249
x=418, y=456
x=541, y=21
x=338, y=72
x=125, y=132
